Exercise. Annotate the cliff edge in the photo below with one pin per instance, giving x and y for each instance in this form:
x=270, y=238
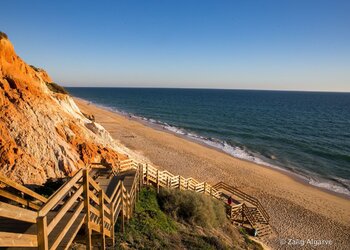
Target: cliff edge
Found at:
x=43, y=134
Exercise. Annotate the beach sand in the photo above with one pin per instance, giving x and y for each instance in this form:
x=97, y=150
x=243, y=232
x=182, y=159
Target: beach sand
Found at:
x=298, y=211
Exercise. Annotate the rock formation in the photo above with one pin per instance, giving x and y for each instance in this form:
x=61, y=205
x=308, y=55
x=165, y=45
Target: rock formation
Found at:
x=43, y=134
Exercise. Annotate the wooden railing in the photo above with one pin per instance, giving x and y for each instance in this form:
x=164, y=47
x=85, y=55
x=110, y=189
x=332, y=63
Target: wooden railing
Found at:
x=158, y=178
x=244, y=196
x=17, y=193
x=80, y=200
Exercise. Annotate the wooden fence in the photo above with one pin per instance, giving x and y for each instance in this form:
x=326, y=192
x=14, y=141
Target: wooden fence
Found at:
x=158, y=178
x=56, y=220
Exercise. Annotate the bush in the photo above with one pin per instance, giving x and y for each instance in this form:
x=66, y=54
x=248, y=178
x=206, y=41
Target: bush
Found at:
x=54, y=87
x=149, y=224
x=151, y=227
x=3, y=35
x=193, y=208
x=35, y=68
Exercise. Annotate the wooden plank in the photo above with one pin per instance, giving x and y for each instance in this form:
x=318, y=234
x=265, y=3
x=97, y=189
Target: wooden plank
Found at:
x=93, y=197
x=17, y=213
x=70, y=240
x=87, y=209
x=95, y=227
x=117, y=197
x=107, y=232
x=43, y=240
x=107, y=210
x=117, y=210
x=18, y=240
x=64, y=209
x=94, y=210
x=17, y=199
x=116, y=189
x=94, y=184
x=60, y=193
x=111, y=218
x=21, y=188
x=68, y=226
x=102, y=215
x=107, y=198
x=123, y=205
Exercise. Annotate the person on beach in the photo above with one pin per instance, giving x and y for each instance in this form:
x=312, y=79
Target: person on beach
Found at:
x=229, y=201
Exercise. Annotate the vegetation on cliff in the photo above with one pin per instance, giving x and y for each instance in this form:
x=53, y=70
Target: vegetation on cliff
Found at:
x=3, y=35
x=54, y=87
x=176, y=219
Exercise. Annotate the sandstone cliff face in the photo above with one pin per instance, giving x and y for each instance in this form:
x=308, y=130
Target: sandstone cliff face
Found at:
x=43, y=134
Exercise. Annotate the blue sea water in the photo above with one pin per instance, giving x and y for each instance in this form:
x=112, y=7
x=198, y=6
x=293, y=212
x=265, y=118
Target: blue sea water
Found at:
x=307, y=133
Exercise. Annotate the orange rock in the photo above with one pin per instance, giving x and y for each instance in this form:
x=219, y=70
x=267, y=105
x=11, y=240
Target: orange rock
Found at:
x=43, y=134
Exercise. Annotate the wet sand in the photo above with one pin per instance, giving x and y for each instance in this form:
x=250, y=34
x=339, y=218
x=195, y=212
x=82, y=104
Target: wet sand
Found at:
x=298, y=211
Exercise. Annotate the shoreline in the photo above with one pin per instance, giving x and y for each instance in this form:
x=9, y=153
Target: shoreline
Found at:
x=296, y=176
x=297, y=209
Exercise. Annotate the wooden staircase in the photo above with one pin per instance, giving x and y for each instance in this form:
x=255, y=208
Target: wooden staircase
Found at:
x=245, y=210
x=94, y=198
x=250, y=209
x=29, y=220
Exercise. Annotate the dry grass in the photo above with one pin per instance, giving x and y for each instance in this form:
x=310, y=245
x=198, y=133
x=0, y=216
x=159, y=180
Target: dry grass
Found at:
x=193, y=208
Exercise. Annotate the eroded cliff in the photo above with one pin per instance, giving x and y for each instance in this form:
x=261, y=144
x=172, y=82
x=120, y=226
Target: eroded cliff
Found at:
x=43, y=134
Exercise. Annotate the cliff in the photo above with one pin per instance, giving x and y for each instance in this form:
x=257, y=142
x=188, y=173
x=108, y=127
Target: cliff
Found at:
x=43, y=134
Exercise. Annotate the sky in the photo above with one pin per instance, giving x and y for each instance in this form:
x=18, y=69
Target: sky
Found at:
x=279, y=45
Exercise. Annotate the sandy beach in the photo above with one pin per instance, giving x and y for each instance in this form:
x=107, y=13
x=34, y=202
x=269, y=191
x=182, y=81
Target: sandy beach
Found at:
x=298, y=211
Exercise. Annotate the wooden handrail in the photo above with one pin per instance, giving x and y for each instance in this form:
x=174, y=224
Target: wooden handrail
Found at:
x=64, y=209
x=100, y=212
x=244, y=196
x=17, y=213
x=60, y=193
x=21, y=188
x=77, y=193
x=18, y=240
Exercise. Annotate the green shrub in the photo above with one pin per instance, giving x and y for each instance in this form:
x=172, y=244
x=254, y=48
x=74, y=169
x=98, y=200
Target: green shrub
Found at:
x=148, y=225
x=3, y=35
x=35, y=68
x=193, y=208
x=163, y=222
x=54, y=87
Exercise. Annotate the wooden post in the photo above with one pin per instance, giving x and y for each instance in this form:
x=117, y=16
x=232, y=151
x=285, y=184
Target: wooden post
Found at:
x=205, y=187
x=43, y=240
x=211, y=191
x=157, y=181
x=87, y=210
x=141, y=174
x=147, y=180
x=102, y=216
x=188, y=184
x=179, y=182
x=111, y=207
x=123, y=206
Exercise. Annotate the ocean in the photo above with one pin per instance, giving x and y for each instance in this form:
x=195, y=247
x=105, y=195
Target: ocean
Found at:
x=306, y=133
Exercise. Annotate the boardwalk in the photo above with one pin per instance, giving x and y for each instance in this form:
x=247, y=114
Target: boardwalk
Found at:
x=94, y=198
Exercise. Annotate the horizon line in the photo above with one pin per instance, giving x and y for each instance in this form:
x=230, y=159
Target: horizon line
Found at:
x=200, y=88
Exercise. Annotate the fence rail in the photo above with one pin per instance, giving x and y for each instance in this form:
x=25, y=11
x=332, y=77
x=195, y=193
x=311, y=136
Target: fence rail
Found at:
x=81, y=200
x=164, y=178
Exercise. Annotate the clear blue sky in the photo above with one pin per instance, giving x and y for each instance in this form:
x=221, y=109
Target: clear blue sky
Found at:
x=296, y=44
